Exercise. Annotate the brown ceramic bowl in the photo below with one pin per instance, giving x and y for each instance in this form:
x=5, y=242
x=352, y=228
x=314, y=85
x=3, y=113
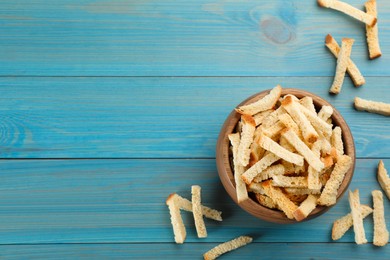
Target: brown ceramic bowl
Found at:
x=226, y=172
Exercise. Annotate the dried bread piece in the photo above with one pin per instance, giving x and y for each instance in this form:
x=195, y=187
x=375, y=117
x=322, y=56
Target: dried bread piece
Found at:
x=342, y=64
x=313, y=176
x=260, y=166
x=372, y=106
x=341, y=225
x=259, y=117
x=296, y=198
x=381, y=234
x=274, y=130
x=272, y=146
x=319, y=125
x=241, y=191
x=337, y=141
x=270, y=172
x=383, y=178
x=306, y=207
x=283, y=202
x=257, y=152
x=227, y=247
x=197, y=211
x=372, y=31
x=325, y=113
x=263, y=104
x=266, y=201
x=302, y=149
x=272, y=118
x=352, y=69
x=304, y=191
x=349, y=10
x=329, y=194
x=289, y=123
x=357, y=218
x=247, y=133
x=179, y=229
x=307, y=102
x=308, y=132
x=289, y=182
x=186, y=205
x=256, y=188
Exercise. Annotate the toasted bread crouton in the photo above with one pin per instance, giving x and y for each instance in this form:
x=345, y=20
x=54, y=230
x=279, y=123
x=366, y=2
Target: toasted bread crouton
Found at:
x=307, y=102
x=341, y=225
x=263, y=104
x=309, y=134
x=186, y=205
x=337, y=141
x=273, y=132
x=383, y=178
x=296, y=198
x=381, y=234
x=304, y=191
x=372, y=31
x=342, y=64
x=289, y=182
x=352, y=69
x=227, y=247
x=325, y=113
x=266, y=201
x=256, y=188
x=357, y=218
x=349, y=10
x=197, y=211
x=260, y=166
x=276, y=194
x=270, y=145
x=372, y=106
x=290, y=123
x=179, y=229
x=329, y=194
x=313, y=176
x=270, y=172
x=259, y=117
x=302, y=149
x=247, y=134
x=273, y=118
x=306, y=207
x=241, y=191
x=319, y=125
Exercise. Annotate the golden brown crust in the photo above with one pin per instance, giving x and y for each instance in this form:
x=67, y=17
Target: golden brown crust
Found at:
x=321, y=3
x=248, y=119
x=327, y=160
x=170, y=197
x=328, y=39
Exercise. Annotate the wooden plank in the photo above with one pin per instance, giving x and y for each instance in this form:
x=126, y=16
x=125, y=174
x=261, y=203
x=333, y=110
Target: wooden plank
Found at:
x=153, y=117
x=44, y=117
x=167, y=38
x=100, y=201
x=336, y=251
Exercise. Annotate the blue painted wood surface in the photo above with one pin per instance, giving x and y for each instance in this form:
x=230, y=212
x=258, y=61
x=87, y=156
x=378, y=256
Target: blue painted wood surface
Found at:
x=106, y=107
x=185, y=38
x=154, y=117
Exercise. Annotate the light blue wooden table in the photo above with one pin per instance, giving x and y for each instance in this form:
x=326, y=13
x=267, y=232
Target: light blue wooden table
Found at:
x=107, y=107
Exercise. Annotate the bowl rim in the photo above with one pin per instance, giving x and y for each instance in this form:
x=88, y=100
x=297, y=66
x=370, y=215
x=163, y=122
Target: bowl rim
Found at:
x=225, y=171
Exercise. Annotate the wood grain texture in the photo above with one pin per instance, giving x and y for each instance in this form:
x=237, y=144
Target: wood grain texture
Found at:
x=107, y=201
x=190, y=38
x=314, y=251
x=45, y=117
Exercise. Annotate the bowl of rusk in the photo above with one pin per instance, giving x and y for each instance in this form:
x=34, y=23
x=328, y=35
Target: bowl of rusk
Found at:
x=285, y=155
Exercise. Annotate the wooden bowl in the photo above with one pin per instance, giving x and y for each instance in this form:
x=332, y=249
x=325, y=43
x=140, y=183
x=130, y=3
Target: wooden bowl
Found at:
x=225, y=170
